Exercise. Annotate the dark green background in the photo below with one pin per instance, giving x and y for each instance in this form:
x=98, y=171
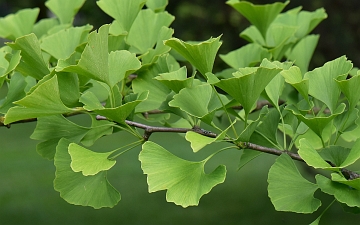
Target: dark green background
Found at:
x=26, y=191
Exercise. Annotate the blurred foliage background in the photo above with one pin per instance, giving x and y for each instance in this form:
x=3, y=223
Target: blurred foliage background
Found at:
x=26, y=191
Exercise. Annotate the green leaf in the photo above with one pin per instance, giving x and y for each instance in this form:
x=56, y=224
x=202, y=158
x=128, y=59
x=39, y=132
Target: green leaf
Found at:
x=317, y=124
x=32, y=61
x=194, y=101
x=176, y=80
x=88, y=162
x=98, y=129
x=354, y=183
x=157, y=5
x=322, y=84
x=199, y=141
x=96, y=63
x=43, y=26
x=278, y=37
x=16, y=25
x=201, y=55
x=51, y=129
x=117, y=114
x=247, y=156
x=7, y=67
x=39, y=103
x=185, y=181
x=15, y=92
x=338, y=155
x=343, y=193
x=146, y=28
x=302, y=52
x=246, y=89
x=94, y=191
x=351, y=90
x=124, y=12
x=64, y=10
x=62, y=44
x=250, y=128
x=247, y=55
x=293, y=76
x=259, y=15
x=288, y=190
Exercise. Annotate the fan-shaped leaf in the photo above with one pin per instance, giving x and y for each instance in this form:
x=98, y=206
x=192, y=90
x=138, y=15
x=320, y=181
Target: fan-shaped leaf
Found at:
x=288, y=190
x=94, y=191
x=65, y=10
x=185, y=181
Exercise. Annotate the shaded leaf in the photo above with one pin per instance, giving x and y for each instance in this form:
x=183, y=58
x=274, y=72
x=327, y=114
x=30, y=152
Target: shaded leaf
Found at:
x=288, y=190
x=354, y=183
x=15, y=92
x=32, y=61
x=185, y=181
x=176, y=80
x=343, y=193
x=351, y=90
x=94, y=191
x=293, y=76
x=39, y=103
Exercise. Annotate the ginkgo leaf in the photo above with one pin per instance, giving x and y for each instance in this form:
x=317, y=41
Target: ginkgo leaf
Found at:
x=201, y=55
x=293, y=76
x=199, y=141
x=342, y=192
x=354, y=183
x=247, y=55
x=318, y=123
x=17, y=25
x=50, y=129
x=157, y=5
x=96, y=63
x=88, y=162
x=43, y=26
x=288, y=190
x=176, y=80
x=124, y=12
x=246, y=89
x=32, y=61
x=65, y=10
x=145, y=30
x=303, y=51
x=77, y=189
x=15, y=92
x=185, y=181
x=322, y=84
x=350, y=89
x=63, y=43
x=259, y=15
x=39, y=103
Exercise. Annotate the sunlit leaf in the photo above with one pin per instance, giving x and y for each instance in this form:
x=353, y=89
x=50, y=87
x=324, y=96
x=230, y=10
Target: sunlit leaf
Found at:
x=124, y=12
x=322, y=84
x=88, y=162
x=259, y=15
x=201, y=55
x=293, y=76
x=32, y=61
x=19, y=24
x=185, y=181
x=39, y=103
x=94, y=191
x=63, y=43
x=351, y=90
x=65, y=10
x=145, y=30
x=157, y=5
x=288, y=190
x=343, y=193
x=354, y=183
